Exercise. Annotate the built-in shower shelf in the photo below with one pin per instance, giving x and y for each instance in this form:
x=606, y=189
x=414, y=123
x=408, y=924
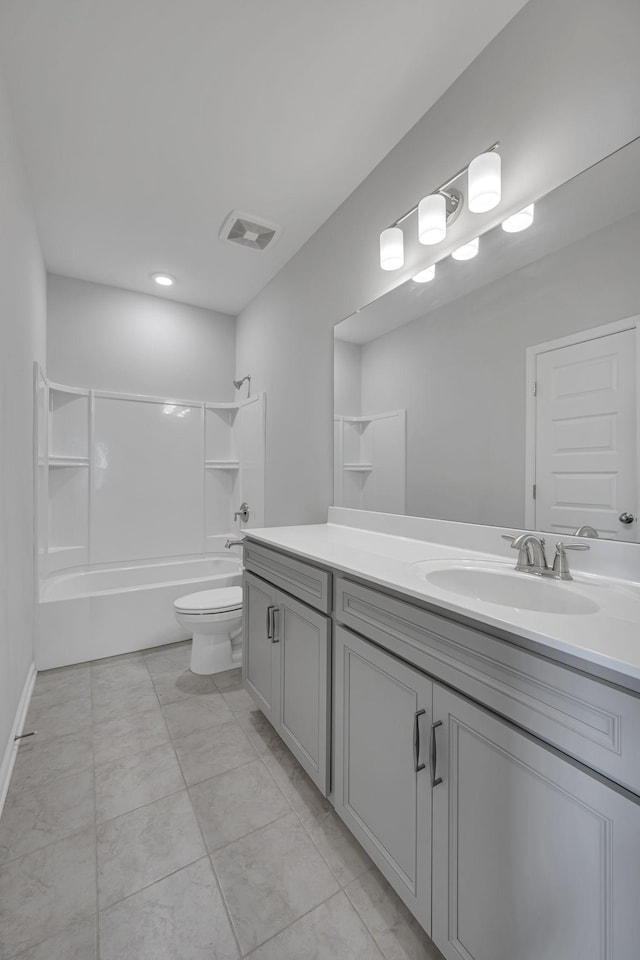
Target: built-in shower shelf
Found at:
x=68, y=549
x=358, y=467
x=222, y=464
x=68, y=462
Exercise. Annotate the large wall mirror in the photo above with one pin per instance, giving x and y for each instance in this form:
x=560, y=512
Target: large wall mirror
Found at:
x=505, y=391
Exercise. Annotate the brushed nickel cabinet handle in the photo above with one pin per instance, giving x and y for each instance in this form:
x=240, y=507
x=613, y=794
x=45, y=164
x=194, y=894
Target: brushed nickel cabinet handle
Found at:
x=433, y=754
x=417, y=766
x=272, y=635
x=269, y=623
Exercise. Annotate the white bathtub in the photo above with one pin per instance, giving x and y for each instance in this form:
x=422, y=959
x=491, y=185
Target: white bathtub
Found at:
x=90, y=614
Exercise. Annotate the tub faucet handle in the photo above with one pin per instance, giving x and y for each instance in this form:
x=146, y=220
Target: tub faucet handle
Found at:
x=242, y=512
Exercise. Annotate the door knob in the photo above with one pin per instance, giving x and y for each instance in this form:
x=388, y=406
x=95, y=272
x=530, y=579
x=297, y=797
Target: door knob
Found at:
x=626, y=518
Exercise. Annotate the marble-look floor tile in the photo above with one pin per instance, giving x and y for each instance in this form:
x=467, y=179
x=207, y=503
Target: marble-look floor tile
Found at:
x=76, y=942
x=132, y=781
x=208, y=752
x=228, y=679
x=65, y=683
x=179, y=686
x=182, y=916
x=395, y=930
x=60, y=718
x=338, y=846
x=143, y=846
x=169, y=660
x=196, y=713
x=119, y=672
x=300, y=791
x=41, y=762
x=333, y=931
x=44, y=891
x=114, y=739
x=34, y=818
x=237, y=802
x=112, y=702
x=238, y=700
x=261, y=733
x=270, y=878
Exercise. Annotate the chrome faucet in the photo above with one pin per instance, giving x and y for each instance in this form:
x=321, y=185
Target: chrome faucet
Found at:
x=234, y=542
x=532, y=557
x=586, y=530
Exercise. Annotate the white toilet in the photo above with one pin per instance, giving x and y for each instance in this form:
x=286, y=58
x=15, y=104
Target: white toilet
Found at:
x=215, y=616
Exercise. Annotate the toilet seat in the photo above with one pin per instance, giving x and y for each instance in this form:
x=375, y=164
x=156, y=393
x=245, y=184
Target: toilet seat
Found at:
x=206, y=602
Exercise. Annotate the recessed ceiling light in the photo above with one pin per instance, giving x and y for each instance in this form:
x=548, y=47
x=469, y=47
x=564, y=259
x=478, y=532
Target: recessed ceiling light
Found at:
x=519, y=221
x=164, y=279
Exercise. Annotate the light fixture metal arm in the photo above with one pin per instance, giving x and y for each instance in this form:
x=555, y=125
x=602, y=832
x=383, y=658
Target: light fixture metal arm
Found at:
x=443, y=186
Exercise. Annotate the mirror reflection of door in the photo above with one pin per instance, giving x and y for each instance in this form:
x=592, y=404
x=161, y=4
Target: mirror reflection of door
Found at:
x=586, y=428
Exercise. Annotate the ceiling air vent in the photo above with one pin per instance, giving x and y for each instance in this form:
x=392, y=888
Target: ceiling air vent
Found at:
x=248, y=231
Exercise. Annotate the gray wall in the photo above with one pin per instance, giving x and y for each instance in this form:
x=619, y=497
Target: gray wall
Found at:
x=112, y=339
x=22, y=340
x=558, y=87
x=460, y=373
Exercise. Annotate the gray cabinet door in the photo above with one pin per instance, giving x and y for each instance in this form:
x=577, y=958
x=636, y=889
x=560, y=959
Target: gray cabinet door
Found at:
x=382, y=789
x=304, y=651
x=260, y=673
x=533, y=857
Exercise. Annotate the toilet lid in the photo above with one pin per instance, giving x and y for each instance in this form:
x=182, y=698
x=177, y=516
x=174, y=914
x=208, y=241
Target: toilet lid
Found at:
x=220, y=600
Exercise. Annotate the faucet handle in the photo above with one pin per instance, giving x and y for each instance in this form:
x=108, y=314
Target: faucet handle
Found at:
x=560, y=564
x=561, y=547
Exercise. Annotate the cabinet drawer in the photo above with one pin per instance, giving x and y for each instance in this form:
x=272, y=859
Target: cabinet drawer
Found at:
x=590, y=720
x=301, y=580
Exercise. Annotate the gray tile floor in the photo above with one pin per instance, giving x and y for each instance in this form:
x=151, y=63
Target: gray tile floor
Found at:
x=158, y=816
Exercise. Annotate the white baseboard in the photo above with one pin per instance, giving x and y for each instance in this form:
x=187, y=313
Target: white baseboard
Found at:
x=9, y=758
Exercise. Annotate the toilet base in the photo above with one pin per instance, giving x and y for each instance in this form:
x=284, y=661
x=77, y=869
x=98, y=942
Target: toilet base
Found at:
x=214, y=653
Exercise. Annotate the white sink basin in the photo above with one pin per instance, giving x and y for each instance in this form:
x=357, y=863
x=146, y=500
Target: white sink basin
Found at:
x=489, y=583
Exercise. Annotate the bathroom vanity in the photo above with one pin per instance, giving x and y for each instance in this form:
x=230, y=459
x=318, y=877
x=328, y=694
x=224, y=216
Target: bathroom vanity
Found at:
x=487, y=758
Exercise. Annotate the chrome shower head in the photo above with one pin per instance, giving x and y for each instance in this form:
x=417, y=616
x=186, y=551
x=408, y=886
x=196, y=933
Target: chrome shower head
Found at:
x=238, y=383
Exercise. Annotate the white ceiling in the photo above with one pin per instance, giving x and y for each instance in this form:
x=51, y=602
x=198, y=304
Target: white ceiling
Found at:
x=143, y=123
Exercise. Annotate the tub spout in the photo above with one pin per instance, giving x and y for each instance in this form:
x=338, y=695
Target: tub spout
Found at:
x=234, y=542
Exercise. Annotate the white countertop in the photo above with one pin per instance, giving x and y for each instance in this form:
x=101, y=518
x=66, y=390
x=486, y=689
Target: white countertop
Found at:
x=608, y=638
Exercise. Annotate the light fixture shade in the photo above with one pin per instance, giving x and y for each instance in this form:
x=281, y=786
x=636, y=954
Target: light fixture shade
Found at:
x=485, y=182
x=467, y=251
x=425, y=275
x=432, y=219
x=391, y=248
x=519, y=221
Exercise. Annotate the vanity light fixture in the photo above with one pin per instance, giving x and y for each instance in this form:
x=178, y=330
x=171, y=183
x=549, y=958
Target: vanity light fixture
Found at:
x=519, y=221
x=391, y=248
x=425, y=275
x=441, y=207
x=467, y=251
x=164, y=279
x=432, y=219
x=485, y=182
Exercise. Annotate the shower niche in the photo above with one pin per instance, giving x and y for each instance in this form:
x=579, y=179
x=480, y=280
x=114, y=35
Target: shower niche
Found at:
x=123, y=478
x=370, y=462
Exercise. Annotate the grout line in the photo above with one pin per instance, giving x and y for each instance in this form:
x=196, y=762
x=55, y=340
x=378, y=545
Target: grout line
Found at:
x=152, y=883
x=95, y=825
x=27, y=950
x=336, y=893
